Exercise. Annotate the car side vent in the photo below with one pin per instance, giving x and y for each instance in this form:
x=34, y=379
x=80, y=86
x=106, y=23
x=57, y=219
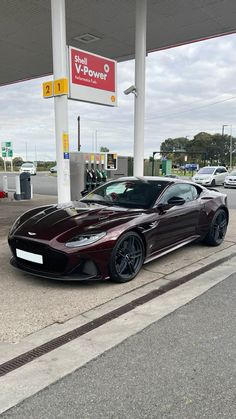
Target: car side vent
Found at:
x=148, y=226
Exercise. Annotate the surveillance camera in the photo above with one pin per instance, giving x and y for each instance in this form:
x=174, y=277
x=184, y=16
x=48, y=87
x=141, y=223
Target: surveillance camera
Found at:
x=131, y=89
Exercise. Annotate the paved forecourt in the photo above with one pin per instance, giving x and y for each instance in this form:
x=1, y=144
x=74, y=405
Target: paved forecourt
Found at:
x=34, y=309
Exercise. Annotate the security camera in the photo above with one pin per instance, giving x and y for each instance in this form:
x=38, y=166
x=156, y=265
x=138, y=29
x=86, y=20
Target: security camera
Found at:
x=131, y=89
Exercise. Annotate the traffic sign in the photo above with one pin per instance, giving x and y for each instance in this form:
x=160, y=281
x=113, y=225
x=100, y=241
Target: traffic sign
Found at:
x=7, y=150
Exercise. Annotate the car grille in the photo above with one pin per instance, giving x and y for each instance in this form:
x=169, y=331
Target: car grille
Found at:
x=53, y=260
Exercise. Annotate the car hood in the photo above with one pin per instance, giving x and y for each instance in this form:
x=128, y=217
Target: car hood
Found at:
x=65, y=220
x=230, y=177
x=201, y=177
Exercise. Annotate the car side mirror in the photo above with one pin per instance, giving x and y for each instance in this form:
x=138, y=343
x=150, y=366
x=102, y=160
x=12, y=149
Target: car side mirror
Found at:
x=84, y=192
x=176, y=200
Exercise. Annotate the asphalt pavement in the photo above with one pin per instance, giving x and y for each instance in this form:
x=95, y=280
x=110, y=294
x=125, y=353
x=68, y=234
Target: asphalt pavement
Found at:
x=180, y=367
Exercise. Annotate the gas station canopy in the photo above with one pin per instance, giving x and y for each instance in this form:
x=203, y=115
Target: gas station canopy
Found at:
x=104, y=27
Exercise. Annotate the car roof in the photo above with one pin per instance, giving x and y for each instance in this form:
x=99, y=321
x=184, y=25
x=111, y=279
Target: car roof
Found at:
x=152, y=179
x=213, y=167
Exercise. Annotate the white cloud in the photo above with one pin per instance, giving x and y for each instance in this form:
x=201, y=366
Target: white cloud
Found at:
x=188, y=89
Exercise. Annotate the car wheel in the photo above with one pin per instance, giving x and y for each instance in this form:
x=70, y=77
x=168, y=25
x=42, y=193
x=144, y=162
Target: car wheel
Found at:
x=127, y=257
x=213, y=182
x=218, y=228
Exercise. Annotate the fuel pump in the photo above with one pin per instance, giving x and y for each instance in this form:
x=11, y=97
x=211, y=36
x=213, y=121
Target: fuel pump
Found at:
x=99, y=177
x=89, y=179
x=94, y=178
x=104, y=176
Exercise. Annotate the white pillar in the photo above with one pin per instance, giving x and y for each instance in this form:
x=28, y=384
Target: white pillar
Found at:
x=140, y=61
x=5, y=184
x=18, y=190
x=60, y=102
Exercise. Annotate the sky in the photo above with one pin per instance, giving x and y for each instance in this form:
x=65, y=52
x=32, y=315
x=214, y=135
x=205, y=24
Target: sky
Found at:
x=189, y=89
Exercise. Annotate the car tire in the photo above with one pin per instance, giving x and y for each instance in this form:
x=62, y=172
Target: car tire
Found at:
x=127, y=257
x=218, y=228
x=213, y=182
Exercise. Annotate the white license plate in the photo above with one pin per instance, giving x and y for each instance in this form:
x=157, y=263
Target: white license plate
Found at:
x=31, y=257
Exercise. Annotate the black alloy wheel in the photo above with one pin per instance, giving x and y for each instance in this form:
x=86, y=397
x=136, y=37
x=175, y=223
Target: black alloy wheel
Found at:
x=217, y=229
x=127, y=257
x=213, y=182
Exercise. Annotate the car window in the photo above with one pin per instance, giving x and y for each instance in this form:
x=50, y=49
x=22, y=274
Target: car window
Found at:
x=128, y=193
x=218, y=171
x=181, y=190
x=206, y=171
x=27, y=165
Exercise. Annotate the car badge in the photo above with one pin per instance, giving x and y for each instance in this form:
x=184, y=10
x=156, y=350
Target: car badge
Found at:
x=30, y=233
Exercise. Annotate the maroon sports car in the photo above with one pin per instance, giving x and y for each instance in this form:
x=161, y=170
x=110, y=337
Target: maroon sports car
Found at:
x=116, y=228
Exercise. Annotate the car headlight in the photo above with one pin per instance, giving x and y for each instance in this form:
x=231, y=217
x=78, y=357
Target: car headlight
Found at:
x=84, y=239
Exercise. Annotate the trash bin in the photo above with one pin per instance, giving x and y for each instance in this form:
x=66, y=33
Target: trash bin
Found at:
x=25, y=186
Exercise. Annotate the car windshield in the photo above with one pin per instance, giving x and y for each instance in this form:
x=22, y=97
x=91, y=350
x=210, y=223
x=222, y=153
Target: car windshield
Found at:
x=233, y=173
x=128, y=193
x=206, y=171
x=27, y=165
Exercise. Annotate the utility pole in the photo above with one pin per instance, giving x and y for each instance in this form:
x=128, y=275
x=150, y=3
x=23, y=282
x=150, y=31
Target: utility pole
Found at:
x=26, y=151
x=230, y=149
x=223, y=129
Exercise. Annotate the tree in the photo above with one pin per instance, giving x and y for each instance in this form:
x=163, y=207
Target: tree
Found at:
x=104, y=149
x=171, y=148
x=17, y=161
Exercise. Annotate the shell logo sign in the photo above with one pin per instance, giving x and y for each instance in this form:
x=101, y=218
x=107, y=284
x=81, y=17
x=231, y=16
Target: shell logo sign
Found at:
x=92, y=78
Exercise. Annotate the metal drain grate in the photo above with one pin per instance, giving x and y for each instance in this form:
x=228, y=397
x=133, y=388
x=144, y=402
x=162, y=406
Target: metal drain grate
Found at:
x=37, y=352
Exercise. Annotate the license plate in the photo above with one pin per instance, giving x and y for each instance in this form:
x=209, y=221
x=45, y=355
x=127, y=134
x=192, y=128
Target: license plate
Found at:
x=31, y=257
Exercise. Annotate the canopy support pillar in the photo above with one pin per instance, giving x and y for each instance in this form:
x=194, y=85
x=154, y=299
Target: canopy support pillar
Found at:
x=60, y=102
x=140, y=62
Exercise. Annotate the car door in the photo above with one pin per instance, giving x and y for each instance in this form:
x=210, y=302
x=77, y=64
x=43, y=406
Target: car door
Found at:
x=218, y=176
x=178, y=222
x=224, y=173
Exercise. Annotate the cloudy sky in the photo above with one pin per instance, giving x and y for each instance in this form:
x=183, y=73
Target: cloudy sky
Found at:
x=189, y=89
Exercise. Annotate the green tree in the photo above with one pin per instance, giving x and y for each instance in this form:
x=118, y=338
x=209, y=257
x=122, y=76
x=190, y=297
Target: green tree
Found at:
x=171, y=148
x=17, y=161
x=104, y=149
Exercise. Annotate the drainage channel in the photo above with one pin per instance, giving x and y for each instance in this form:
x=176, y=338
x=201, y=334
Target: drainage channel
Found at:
x=49, y=346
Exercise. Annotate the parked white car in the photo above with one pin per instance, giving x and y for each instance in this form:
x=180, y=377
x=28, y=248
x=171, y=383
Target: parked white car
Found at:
x=28, y=168
x=230, y=180
x=211, y=175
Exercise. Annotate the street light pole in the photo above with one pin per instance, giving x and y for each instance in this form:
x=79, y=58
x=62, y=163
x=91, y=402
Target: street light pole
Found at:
x=223, y=128
x=230, y=149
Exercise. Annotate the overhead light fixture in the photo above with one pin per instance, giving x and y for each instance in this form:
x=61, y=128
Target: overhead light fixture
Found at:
x=86, y=38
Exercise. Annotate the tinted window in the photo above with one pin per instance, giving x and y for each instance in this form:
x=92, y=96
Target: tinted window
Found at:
x=131, y=193
x=181, y=190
